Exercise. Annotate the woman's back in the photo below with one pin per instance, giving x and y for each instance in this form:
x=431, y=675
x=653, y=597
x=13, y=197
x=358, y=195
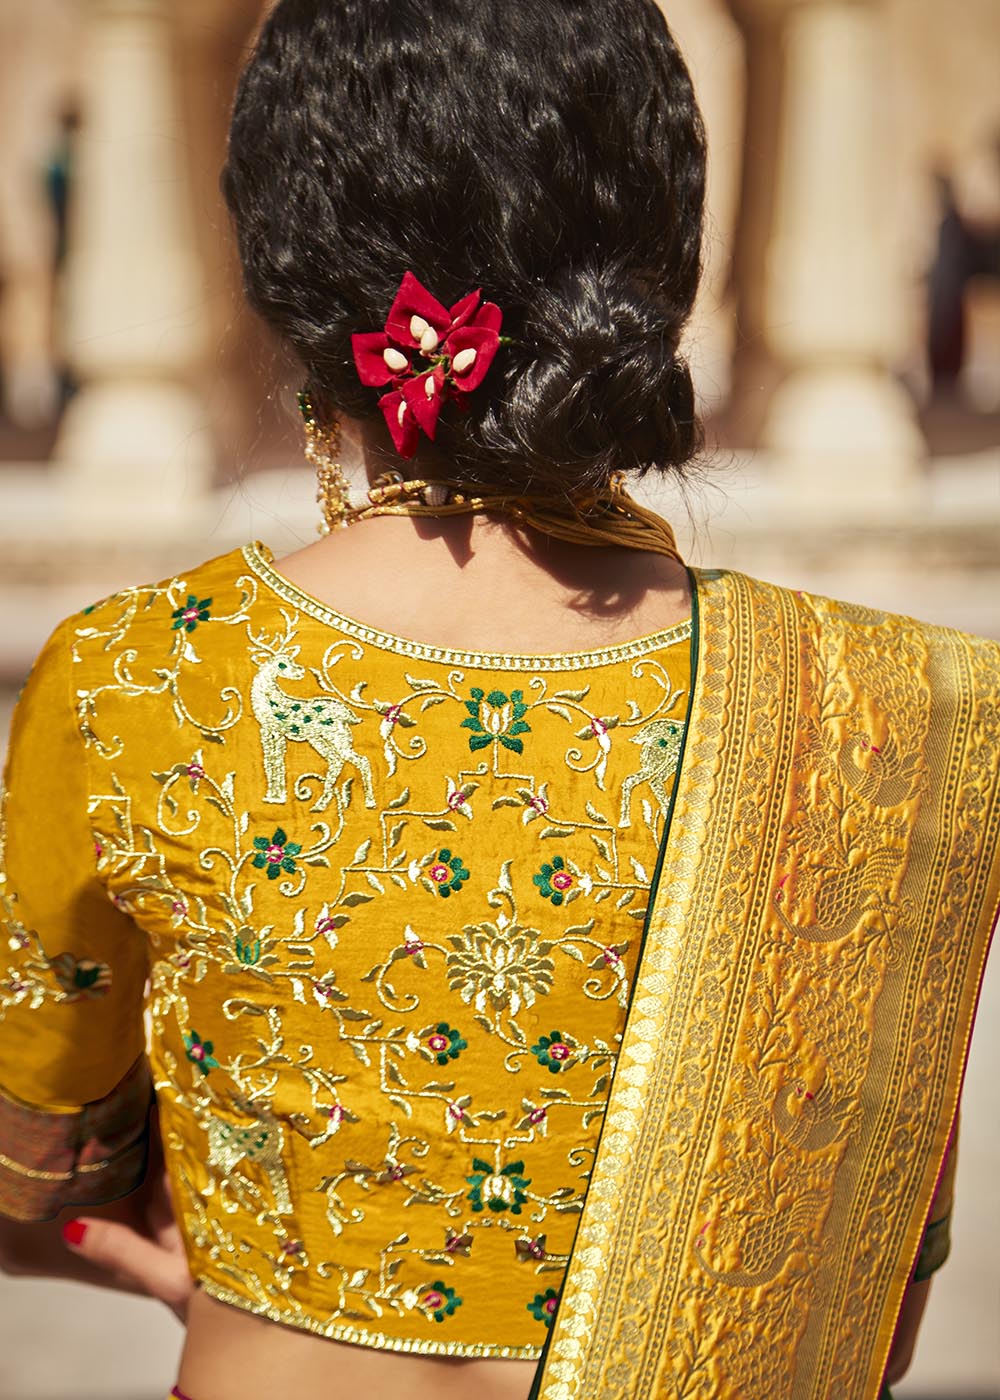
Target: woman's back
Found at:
x=392, y=894
x=386, y=825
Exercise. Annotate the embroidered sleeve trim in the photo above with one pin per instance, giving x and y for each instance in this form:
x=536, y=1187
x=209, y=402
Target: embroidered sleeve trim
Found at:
x=934, y=1250
x=50, y=1158
x=258, y=556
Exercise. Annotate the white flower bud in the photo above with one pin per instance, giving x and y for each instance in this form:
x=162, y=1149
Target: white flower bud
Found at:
x=429, y=341
x=395, y=359
x=430, y=388
x=418, y=327
x=464, y=360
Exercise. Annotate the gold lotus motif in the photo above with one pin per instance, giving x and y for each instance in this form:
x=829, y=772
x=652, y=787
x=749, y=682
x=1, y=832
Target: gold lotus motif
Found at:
x=504, y=967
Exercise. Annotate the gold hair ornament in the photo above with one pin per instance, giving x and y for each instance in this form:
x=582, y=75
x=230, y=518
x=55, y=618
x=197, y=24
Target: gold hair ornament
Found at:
x=607, y=516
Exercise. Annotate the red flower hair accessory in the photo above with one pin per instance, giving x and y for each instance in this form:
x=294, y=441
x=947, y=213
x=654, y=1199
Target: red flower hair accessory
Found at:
x=429, y=354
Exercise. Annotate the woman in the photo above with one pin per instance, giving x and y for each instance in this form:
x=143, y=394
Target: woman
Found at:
x=560, y=963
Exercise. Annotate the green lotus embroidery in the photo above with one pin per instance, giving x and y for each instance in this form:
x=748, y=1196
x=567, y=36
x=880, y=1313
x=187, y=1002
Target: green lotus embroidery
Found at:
x=248, y=951
x=499, y=1191
x=496, y=717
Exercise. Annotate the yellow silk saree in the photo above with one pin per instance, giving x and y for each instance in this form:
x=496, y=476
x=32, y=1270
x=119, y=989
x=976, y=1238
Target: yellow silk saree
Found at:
x=793, y=1056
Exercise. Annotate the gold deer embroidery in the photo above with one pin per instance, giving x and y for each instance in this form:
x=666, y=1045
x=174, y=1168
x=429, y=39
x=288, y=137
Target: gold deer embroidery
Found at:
x=260, y=1143
x=323, y=721
x=661, y=742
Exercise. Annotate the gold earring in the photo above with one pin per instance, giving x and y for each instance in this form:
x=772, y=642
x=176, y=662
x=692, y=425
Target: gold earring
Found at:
x=333, y=491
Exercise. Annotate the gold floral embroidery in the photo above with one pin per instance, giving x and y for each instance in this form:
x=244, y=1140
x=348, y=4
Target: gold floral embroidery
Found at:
x=366, y=993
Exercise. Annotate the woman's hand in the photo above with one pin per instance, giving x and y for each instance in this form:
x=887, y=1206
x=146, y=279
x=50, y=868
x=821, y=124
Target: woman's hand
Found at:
x=136, y=1241
x=132, y=1244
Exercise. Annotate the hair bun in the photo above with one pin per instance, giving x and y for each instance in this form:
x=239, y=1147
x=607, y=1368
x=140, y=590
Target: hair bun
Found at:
x=596, y=384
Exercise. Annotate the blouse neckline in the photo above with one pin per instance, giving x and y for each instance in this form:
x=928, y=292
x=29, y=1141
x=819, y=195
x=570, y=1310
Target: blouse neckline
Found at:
x=259, y=557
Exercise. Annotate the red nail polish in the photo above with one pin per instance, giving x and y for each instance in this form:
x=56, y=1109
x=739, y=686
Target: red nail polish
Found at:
x=73, y=1231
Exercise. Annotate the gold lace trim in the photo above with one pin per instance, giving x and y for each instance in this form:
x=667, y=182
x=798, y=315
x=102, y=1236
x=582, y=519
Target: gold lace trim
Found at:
x=380, y=1341
x=258, y=556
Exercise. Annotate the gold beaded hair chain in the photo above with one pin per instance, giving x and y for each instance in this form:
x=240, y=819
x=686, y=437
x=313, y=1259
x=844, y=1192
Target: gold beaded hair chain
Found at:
x=605, y=517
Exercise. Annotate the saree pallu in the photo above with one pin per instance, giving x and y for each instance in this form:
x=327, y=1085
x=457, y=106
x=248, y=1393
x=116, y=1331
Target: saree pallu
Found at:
x=792, y=1061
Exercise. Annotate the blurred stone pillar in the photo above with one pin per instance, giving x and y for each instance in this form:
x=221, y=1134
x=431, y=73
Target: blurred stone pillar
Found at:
x=713, y=49
x=38, y=45
x=134, y=443
x=839, y=429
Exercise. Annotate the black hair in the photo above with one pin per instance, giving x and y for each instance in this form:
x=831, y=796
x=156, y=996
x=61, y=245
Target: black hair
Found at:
x=550, y=152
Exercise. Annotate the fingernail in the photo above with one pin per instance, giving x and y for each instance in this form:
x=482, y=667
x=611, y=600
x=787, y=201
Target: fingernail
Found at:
x=73, y=1231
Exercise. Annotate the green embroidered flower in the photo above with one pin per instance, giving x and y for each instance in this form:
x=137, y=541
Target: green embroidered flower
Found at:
x=554, y=880
x=448, y=873
x=194, y=611
x=199, y=1052
x=445, y=1043
x=276, y=855
x=81, y=979
x=553, y=1051
x=440, y=1301
x=543, y=1306
x=247, y=950
x=503, y=1190
x=496, y=716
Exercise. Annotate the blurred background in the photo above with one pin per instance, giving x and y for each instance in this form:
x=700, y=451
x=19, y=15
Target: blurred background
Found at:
x=846, y=348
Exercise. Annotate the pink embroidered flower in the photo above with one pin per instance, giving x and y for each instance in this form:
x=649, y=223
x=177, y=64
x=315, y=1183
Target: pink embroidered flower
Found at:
x=195, y=770
x=611, y=957
x=428, y=353
x=538, y=1115
x=562, y=880
x=439, y=873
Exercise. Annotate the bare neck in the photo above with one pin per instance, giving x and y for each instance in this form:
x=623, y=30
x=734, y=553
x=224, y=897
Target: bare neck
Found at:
x=479, y=582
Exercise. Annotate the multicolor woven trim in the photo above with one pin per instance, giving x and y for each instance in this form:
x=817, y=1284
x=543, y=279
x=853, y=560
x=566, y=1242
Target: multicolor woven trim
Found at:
x=50, y=1158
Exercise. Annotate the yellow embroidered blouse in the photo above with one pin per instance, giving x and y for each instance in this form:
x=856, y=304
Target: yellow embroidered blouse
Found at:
x=381, y=903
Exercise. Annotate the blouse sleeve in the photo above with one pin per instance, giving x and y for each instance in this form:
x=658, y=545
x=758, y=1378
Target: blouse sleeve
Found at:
x=74, y=1082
